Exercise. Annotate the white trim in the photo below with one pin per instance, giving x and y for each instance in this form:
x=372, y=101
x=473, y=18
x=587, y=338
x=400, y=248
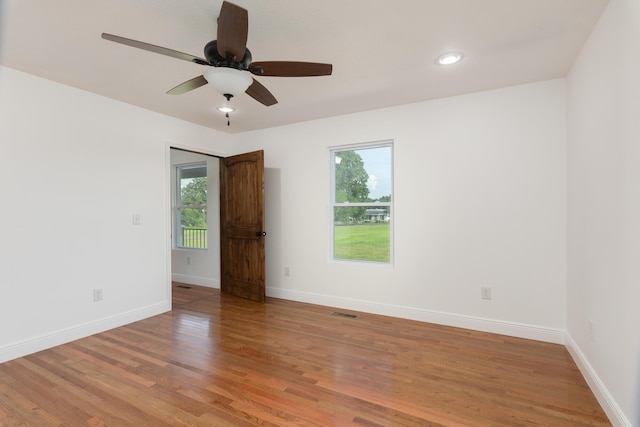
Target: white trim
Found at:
x=194, y=149
x=33, y=345
x=600, y=391
x=168, y=223
x=513, y=329
x=195, y=280
x=390, y=143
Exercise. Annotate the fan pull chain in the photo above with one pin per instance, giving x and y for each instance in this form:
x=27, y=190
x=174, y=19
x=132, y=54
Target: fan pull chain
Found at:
x=227, y=108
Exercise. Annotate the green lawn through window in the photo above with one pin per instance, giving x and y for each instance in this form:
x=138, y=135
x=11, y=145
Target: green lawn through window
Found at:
x=366, y=242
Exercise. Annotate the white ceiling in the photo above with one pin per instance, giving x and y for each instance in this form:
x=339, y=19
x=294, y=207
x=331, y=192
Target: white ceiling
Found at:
x=382, y=51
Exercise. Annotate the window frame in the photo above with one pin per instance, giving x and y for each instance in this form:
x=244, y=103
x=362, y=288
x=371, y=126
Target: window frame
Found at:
x=367, y=205
x=177, y=205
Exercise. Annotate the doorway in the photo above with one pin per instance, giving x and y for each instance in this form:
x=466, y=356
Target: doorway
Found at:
x=195, y=249
x=232, y=217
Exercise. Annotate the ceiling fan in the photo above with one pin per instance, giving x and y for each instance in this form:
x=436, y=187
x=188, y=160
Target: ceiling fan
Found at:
x=230, y=61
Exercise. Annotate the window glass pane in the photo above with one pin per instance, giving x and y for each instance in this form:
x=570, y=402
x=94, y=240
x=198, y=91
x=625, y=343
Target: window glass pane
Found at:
x=367, y=240
x=363, y=175
x=193, y=191
x=193, y=171
x=191, y=201
x=193, y=228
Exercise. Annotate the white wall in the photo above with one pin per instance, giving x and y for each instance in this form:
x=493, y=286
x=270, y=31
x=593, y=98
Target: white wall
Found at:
x=74, y=169
x=603, y=102
x=199, y=266
x=479, y=201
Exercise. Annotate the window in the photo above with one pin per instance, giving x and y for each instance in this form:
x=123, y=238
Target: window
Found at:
x=191, y=206
x=361, y=202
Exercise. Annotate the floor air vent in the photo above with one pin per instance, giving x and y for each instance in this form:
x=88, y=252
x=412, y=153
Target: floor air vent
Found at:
x=183, y=286
x=347, y=315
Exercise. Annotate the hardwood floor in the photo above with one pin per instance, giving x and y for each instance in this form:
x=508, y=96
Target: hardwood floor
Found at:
x=217, y=360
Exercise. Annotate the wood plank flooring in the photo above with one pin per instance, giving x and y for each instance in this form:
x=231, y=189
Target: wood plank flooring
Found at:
x=217, y=360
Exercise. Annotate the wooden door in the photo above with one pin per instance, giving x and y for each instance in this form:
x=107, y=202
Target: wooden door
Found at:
x=242, y=263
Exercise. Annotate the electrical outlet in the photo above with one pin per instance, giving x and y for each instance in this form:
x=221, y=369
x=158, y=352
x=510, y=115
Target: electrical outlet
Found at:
x=135, y=219
x=287, y=271
x=188, y=260
x=485, y=293
x=97, y=294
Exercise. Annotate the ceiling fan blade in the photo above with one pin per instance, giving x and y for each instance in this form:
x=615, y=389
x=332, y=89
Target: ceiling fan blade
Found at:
x=261, y=94
x=156, y=49
x=290, y=69
x=192, y=84
x=233, y=28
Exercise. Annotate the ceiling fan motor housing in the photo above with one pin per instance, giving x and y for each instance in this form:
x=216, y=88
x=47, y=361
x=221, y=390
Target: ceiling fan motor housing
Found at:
x=216, y=60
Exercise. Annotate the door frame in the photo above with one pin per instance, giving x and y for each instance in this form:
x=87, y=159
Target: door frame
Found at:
x=168, y=201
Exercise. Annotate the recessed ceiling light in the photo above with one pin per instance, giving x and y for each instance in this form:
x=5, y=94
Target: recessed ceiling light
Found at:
x=449, y=58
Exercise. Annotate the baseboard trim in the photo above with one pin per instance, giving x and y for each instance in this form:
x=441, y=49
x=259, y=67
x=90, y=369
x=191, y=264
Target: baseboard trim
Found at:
x=513, y=329
x=56, y=338
x=195, y=280
x=600, y=391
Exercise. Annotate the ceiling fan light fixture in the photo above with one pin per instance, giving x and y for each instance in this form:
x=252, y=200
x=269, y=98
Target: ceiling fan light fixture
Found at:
x=449, y=58
x=228, y=80
x=226, y=109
